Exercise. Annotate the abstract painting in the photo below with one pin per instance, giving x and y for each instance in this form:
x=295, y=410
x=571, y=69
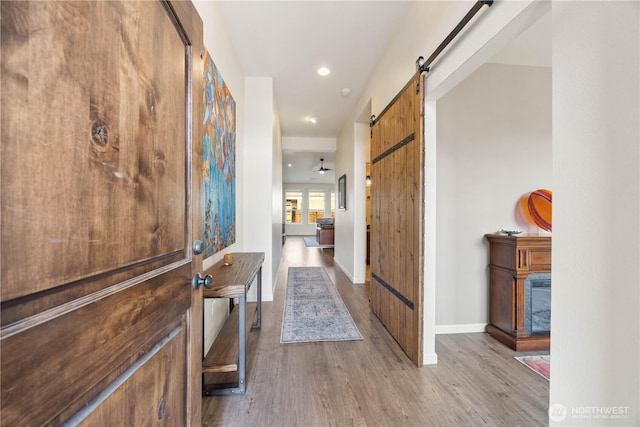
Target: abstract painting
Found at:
x=219, y=162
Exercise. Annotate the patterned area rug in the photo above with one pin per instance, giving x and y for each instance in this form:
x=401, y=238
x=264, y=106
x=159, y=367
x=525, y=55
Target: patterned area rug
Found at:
x=311, y=242
x=539, y=364
x=313, y=309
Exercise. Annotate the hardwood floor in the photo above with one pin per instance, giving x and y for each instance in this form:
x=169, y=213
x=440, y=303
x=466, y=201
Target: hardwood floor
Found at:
x=372, y=382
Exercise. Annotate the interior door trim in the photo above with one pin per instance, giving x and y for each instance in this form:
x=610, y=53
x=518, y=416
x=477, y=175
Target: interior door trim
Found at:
x=60, y=310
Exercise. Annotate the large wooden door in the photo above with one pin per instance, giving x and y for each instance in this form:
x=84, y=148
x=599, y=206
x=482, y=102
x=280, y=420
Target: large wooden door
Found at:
x=397, y=153
x=99, y=322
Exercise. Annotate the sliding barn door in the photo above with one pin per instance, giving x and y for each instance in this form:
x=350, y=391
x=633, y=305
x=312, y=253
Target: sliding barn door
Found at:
x=100, y=119
x=397, y=153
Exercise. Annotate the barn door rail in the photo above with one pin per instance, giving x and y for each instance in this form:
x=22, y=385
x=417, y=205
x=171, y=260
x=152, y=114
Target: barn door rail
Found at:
x=424, y=66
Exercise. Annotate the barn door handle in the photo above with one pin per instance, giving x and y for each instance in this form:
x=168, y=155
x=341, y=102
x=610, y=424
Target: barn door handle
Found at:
x=206, y=281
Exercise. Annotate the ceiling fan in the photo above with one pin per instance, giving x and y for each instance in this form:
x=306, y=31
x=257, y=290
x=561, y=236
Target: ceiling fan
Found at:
x=322, y=168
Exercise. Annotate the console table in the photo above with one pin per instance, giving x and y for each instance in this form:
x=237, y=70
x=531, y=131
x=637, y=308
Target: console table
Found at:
x=511, y=260
x=232, y=281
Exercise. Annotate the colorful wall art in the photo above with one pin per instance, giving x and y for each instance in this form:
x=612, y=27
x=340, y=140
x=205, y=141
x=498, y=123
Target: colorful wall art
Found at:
x=219, y=157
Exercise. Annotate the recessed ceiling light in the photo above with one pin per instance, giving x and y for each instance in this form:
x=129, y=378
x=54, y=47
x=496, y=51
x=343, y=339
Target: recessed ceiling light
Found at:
x=311, y=120
x=289, y=165
x=324, y=71
x=345, y=91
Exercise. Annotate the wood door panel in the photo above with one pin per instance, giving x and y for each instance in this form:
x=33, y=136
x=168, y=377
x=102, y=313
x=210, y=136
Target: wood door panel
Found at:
x=502, y=297
x=160, y=380
x=396, y=237
x=115, y=331
x=15, y=310
x=112, y=195
x=397, y=152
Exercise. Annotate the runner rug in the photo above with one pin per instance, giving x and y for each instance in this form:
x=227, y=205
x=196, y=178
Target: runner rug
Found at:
x=314, y=310
x=311, y=242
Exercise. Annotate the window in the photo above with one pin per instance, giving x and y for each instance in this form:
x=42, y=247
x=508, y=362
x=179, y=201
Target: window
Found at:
x=293, y=207
x=316, y=205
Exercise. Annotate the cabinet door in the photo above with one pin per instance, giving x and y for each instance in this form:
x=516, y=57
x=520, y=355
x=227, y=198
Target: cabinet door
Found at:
x=503, y=301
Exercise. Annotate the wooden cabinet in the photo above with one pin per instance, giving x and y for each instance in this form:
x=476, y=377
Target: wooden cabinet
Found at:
x=511, y=260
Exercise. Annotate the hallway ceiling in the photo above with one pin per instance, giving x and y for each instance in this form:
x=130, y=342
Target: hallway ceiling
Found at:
x=290, y=40
x=305, y=165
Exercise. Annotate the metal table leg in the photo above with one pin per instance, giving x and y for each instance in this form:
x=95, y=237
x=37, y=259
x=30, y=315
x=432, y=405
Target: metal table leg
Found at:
x=258, y=323
x=242, y=345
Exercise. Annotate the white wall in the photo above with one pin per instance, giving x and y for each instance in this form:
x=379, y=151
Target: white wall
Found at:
x=304, y=228
x=218, y=44
x=493, y=146
x=352, y=155
x=345, y=218
x=260, y=168
x=595, y=326
x=276, y=196
x=361, y=155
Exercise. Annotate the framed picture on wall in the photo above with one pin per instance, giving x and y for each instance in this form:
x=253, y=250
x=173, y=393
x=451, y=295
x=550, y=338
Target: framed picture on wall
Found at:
x=342, y=192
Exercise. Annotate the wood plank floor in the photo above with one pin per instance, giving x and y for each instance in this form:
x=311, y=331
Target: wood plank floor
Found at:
x=476, y=382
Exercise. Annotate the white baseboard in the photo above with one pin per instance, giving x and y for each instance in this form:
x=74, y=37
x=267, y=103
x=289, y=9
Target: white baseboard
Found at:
x=460, y=329
x=430, y=359
x=344, y=270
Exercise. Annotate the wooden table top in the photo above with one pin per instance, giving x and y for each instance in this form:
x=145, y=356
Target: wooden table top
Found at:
x=234, y=281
